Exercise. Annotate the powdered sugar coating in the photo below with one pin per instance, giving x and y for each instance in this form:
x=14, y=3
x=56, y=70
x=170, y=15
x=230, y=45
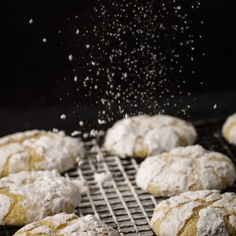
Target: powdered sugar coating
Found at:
x=229, y=129
x=68, y=224
x=34, y=195
x=205, y=212
x=102, y=178
x=5, y=203
x=183, y=169
x=144, y=135
x=38, y=150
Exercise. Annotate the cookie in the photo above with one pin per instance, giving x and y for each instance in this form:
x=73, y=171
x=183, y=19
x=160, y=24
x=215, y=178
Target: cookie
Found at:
x=145, y=135
x=196, y=213
x=67, y=225
x=183, y=169
x=38, y=150
x=229, y=129
x=29, y=196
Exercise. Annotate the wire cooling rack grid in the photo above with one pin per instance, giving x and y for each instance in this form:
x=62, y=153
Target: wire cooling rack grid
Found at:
x=121, y=204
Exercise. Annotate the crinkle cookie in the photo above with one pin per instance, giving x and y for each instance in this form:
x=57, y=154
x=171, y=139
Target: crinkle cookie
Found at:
x=29, y=196
x=67, y=225
x=196, y=213
x=229, y=129
x=38, y=150
x=183, y=169
x=145, y=135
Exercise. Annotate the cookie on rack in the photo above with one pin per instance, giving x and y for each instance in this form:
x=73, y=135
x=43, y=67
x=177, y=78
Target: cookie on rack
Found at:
x=144, y=135
x=67, y=224
x=184, y=169
x=196, y=213
x=30, y=196
x=229, y=129
x=38, y=150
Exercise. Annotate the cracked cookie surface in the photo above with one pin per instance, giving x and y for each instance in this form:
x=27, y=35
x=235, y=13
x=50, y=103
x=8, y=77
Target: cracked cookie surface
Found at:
x=144, y=135
x=38, y=150
x=184, y=169
x=29, y=196
x=196, y=213
x=67, y=224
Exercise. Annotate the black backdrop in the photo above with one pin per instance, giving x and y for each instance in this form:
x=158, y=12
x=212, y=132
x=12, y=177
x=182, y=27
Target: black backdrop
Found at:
x=33, y=73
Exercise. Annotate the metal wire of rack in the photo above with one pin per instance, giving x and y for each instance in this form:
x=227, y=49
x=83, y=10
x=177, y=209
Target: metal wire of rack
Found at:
x=121, y=204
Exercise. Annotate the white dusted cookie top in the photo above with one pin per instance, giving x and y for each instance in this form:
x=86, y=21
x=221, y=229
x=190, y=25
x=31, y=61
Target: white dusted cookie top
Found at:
x=229, y=129
x=38, y=150
x=197, y=213
x=29, y=196
x=143, y=135
x=183, y=169
x=67, y=225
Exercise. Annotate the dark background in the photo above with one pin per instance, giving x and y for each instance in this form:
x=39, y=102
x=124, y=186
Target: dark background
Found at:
x=36, y=80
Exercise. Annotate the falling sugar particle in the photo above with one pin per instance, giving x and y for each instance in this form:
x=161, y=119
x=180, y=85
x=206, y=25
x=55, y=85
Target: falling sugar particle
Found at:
x=31, y=21
x=44, y=40
x=63, y=116
x=77, y=31
x=75, y=133
x=101, y=121
x=215, y=106
x=75, y=78
x=70, y=57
